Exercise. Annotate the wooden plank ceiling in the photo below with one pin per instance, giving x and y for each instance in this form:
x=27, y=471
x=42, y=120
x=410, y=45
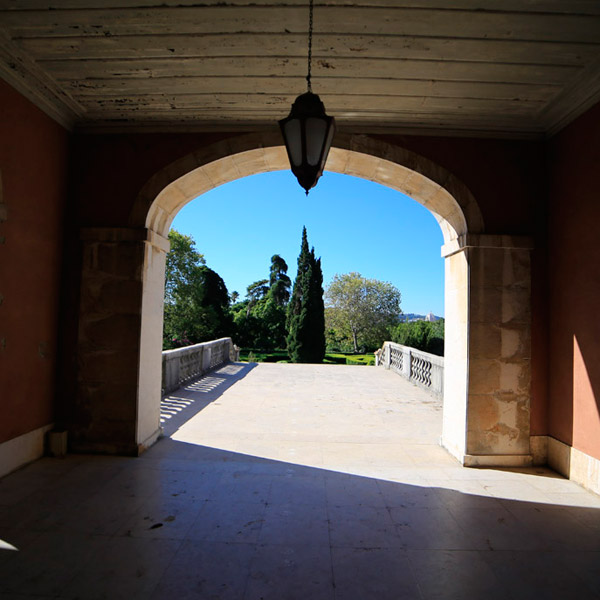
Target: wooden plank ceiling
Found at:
x=494, y=67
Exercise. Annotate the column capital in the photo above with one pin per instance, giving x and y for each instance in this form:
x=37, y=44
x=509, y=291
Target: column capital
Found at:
x=482, y=240
x=124, y=234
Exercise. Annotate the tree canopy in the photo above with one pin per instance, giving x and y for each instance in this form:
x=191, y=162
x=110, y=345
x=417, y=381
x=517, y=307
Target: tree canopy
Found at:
x=279, y=281
x=360, y=313
x=361, y=310
x=422, y=335
x=260, y=318
x=182, y=263
x=196, y=305
x=257, y=291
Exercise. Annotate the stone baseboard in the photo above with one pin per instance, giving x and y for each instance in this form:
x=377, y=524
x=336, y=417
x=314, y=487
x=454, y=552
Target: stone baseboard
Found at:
x=568, y=461
x=22, y=450
x=574, y=464
x=538, y=446
x=150, y=440
x=497, y=460
x=488, y=460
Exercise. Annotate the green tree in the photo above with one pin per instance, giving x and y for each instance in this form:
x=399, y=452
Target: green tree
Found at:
x=272, y=311
x=306, y=312
x=361, y=309
x=196, y=307
x=256, y=292
x=260, y=319
x=279, y=281
x=273, y=317
x=422, y=335
x=183, y=261
x=214, y=299
x=247, y=326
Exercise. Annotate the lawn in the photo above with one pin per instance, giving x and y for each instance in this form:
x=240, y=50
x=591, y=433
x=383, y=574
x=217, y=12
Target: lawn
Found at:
x=338, y=358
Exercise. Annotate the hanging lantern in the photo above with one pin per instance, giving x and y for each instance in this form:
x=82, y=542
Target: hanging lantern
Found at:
x=308, y=131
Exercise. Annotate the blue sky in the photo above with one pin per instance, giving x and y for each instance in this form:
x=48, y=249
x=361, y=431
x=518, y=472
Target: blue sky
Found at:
x=353, y=224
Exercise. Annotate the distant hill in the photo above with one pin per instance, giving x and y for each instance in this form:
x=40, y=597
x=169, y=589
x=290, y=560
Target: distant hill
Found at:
x=417, y=317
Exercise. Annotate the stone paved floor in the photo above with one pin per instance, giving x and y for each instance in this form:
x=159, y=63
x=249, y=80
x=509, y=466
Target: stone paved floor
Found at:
x=299, y=481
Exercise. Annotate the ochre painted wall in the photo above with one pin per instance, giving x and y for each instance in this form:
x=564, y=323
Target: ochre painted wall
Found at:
x=33, y=167
x=574, y=284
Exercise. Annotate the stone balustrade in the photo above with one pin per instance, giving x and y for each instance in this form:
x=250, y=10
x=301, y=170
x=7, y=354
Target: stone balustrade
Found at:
x=184, y=364
x=424, y=369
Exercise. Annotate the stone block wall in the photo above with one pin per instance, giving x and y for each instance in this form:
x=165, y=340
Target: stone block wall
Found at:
x=103, y=418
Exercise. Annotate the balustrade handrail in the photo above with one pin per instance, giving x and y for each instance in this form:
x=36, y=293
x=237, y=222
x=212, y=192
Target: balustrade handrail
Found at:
x=422, y=368
x=181, y=365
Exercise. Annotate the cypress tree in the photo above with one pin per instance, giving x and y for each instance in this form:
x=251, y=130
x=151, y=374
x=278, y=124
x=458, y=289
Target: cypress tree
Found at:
x=306, y=312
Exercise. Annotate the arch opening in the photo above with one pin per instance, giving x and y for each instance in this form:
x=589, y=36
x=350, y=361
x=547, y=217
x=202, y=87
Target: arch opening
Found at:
x=439, y=191
x=171, y=189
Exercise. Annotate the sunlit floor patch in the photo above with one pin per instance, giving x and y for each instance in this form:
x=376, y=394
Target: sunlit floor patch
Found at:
x=362, y=422
x=206, y=384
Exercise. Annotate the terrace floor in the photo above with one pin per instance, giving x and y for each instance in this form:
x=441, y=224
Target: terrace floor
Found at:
x=278, y=481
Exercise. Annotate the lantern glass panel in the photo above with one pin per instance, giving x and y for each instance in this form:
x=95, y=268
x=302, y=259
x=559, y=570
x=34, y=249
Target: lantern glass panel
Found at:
x=315, y=136
x=294, y=140
x=329, y=140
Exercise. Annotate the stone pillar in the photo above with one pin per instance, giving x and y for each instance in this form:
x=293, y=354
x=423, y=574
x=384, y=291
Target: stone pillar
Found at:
x=386, y=356
x=492, y=427
x=150, y=365
x=406, y=362
x=456, y=352
x=112, y=402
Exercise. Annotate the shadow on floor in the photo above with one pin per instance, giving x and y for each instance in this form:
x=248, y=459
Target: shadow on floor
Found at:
x=188, y=521
x=181, y=405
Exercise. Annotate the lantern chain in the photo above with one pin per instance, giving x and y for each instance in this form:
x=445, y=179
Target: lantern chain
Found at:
x=310, y=32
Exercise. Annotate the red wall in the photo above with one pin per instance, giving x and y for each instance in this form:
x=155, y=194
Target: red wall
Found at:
x=503, y=175
x=574, y=284
x=33, y=166
x=110, y=170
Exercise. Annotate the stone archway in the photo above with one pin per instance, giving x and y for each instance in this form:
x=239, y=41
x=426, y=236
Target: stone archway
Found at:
x=457, y=213
x=487, y=379
x=397, y=168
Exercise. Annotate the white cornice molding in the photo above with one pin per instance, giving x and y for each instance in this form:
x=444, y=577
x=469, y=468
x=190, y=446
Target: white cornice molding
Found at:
x=23, y=73
x=117, y=127
x=573, y=101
